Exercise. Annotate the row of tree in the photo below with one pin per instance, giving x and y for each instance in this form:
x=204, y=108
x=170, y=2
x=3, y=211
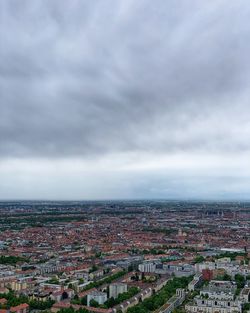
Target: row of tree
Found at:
x=12, y=260
x=157, y=300
x=106, y=280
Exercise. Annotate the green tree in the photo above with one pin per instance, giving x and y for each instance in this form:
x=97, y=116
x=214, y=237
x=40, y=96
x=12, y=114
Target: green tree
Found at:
x=199, y=259
x=93, y=303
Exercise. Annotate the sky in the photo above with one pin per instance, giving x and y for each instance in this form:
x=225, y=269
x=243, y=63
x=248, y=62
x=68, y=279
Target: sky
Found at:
x=124, y=99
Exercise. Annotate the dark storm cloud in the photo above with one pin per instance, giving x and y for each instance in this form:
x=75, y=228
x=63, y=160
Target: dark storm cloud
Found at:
x=92, y=77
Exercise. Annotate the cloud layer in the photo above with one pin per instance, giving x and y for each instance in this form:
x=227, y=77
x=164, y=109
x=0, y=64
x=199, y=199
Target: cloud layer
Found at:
x=124, y=80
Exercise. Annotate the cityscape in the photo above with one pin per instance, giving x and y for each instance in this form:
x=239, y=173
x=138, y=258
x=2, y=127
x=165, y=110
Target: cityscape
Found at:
x=124, y=156
x=125, y=256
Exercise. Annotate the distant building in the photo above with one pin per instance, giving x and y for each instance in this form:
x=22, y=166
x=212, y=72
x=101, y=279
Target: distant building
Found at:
x=179, y=270
x=147, y=267
x=116, y=289
x=21, y=308
x=213, y=306
x=98, y=296
x=245, y=294
x=217, y=297
x=195, y=283
x=173, y=302
x=220, y=289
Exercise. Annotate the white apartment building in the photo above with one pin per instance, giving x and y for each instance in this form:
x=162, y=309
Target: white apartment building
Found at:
x=98, y=296
x=116, y=289
x=213, y=306
x=217, y=297
x=147, y=267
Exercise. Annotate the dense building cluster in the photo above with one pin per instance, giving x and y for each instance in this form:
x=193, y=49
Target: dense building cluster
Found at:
x=134, y=256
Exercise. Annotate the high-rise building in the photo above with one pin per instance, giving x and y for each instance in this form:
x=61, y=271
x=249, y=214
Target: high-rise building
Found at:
x=117, y=288
x=98, y=296
x=148, y=267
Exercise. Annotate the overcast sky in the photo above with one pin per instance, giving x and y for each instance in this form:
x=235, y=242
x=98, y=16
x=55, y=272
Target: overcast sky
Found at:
x=124, y=99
